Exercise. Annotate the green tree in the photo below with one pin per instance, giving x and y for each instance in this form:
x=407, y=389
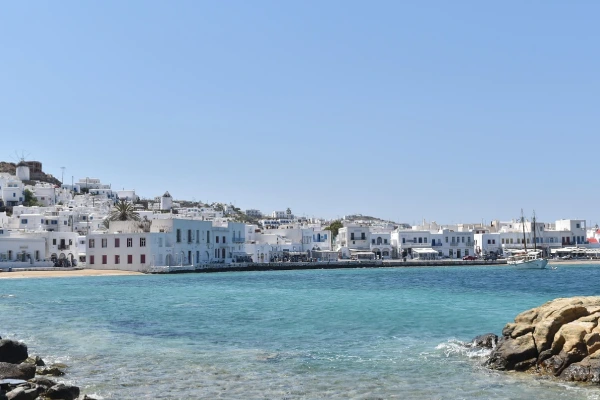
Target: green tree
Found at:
x=123, y=211
x=334, y=227
x=30, y=199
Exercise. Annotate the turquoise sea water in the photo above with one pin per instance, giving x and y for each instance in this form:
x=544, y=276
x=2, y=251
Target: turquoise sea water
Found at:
x=391, y=333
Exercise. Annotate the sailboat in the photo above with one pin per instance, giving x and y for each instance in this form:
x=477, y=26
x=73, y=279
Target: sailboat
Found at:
x=528, y=259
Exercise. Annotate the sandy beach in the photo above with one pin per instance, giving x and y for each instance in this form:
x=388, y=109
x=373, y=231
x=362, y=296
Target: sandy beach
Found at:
x=63, y=274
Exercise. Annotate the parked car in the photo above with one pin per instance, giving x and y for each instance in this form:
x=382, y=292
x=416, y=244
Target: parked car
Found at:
x=469, y=258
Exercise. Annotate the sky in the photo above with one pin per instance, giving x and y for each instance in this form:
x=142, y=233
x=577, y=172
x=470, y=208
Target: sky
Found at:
x=448, y=111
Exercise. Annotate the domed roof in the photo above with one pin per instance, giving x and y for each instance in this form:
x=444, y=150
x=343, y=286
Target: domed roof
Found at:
x=166, y=194
x=22, y=164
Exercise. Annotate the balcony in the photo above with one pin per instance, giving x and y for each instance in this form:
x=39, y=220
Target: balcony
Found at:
x=63, y=247
x=239, y=240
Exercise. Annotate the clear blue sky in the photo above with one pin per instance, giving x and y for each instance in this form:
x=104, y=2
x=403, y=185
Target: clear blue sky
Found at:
x=445, y=110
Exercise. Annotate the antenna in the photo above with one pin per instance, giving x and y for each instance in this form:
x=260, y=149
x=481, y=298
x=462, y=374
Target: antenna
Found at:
x=62, y=178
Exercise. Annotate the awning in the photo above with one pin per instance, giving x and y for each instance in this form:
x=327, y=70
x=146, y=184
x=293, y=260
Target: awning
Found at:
x=425, y=251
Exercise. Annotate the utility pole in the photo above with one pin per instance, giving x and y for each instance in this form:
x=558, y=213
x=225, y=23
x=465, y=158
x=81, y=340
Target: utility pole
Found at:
x=62, y=177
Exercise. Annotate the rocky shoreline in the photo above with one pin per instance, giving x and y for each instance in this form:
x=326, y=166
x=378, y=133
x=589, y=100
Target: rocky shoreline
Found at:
x=560, y=338
x=25, y=377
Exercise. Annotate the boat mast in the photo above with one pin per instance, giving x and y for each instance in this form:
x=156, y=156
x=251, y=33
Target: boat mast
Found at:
x=534, y=238
x=523, y=225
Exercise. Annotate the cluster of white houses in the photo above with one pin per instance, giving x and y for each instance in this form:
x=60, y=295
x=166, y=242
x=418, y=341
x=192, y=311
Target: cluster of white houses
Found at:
x=69, y=226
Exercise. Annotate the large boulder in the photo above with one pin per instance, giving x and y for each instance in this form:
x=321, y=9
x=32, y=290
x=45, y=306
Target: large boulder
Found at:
x=12, y=351
x=561, y=338
x=16, y=371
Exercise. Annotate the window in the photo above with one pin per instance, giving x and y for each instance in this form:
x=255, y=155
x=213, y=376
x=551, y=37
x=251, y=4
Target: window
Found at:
x=189, y=236
x=142, y=258
x=362, y=236
x=502, y=240
x=224, y=241
x=462, y=239
x=352, y=236
x=143, y=242
x=104, y=259
x=414, y=240
x=117, y=259
x=446, y=239
x=511, y=241
x=197, y=236
x=385, y=241
x=403, y=240
x=117, y=242
x=489, y=241
x=91, y=243
x=178, y=239
x=129, y=242
x=207, y=236
x=217, y=239
x=54, y=242
x=493, y=241
x=372, y=241
x=104, y=242
x=70, y=242
x=420, y=240
x=24, y=221
x=129, y=259
x=578, y=226
x=91, y=259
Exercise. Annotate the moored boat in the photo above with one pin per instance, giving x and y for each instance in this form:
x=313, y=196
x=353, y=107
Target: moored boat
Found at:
x=528, y=259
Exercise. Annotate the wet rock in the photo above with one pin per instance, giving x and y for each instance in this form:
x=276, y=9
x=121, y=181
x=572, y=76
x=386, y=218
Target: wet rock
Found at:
x=43, y=381
x=12, y=351
x=487, y=341
x=89, y=397
x=513, y=354
x=52, y=371
x=63, y=392
x=35, y=360
x=16, y=371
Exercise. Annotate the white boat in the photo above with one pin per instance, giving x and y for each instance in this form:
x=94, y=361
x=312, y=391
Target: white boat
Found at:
x=528, y=259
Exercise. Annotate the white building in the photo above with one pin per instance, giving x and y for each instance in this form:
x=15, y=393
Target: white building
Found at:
x=167, y=242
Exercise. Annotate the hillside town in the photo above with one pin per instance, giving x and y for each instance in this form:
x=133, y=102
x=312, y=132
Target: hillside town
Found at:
x=88, y=224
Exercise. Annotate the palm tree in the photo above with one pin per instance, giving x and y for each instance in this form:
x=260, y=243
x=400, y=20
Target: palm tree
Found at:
x=123, y=211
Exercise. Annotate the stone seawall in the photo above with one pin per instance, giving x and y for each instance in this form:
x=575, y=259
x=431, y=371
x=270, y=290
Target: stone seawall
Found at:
x=288, y=266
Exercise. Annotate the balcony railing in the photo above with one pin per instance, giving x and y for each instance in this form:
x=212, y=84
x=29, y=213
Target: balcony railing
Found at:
x=63, y=247
x=239, y=240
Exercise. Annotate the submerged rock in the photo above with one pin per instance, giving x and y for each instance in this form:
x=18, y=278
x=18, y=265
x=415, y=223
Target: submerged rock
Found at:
x=560, y=338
